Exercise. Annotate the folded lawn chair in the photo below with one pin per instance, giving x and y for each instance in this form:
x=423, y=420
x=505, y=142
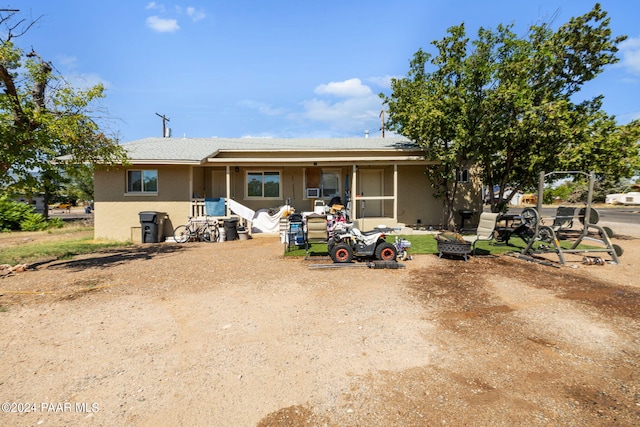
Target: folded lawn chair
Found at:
x=485, y=230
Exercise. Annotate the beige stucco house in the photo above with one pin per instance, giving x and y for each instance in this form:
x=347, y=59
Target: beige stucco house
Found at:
x=381, y=180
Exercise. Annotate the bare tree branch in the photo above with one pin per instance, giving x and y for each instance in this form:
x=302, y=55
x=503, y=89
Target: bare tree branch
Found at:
x=17, y=29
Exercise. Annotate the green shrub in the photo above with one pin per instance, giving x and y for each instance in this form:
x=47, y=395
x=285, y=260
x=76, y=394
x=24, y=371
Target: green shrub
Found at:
x=33, y=222
x=37, y=222
x=55, y=223
x=12, y=213
x=16, y=216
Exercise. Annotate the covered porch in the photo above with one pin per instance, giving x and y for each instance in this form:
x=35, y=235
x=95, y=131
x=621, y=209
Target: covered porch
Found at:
x=371, y=190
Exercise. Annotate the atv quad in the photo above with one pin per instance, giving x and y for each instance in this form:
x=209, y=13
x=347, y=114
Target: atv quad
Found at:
x=350, y=243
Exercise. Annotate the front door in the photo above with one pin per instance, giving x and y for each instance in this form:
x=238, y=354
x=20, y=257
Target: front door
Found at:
x=218, y=183
x=371, y=184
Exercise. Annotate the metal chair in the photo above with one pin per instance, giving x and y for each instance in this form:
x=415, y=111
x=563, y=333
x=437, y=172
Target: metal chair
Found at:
x=316, y=231
x=485, y=230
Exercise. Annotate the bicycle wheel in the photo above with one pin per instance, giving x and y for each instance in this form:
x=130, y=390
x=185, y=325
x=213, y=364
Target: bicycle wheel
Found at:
x=209, y=233
x=215, y=232
x=181, y=234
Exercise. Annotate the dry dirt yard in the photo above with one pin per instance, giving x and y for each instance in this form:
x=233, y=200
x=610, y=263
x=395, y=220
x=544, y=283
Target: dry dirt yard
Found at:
x=234, y=334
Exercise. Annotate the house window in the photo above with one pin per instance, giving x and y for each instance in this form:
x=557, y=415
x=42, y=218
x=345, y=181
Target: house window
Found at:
x=326, y=181
x=142, y=181
x=264, y=185
x=330, y=184
x=463, y=175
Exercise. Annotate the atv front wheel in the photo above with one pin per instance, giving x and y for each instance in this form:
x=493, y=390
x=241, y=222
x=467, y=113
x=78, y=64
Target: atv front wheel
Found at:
x=342, y=253
x=385, y=251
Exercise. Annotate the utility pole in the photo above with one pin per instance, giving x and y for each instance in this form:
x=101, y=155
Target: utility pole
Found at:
x=382, y=122
x=165, y=119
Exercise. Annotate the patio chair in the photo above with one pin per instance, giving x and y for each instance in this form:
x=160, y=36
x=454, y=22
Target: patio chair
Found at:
x=564, y=218
x=316, y=231
x=486, y=228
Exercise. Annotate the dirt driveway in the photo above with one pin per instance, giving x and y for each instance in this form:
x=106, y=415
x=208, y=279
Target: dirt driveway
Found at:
x=233, y=334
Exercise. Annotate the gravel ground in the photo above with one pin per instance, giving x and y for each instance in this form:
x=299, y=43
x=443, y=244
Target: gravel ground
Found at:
x=235, y=334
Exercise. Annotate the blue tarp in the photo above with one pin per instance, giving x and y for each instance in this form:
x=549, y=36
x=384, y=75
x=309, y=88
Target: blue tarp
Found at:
x=214, y=206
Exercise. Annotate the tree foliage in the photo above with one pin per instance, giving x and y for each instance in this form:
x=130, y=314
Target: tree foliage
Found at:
x=509, y=105
x=43, y=117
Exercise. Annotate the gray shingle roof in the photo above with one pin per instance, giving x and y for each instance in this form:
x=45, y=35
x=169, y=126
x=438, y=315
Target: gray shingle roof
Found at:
x=198, y=149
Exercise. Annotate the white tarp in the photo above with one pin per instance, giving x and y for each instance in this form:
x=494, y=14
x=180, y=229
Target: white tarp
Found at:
x=239, y=209
x=262, y=222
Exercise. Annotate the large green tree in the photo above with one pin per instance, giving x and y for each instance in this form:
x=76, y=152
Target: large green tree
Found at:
x=510, y=105
x=43, y=117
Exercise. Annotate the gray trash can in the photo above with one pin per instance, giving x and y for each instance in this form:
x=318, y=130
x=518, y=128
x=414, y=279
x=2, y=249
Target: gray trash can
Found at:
x=231, y=228
x=151, y=224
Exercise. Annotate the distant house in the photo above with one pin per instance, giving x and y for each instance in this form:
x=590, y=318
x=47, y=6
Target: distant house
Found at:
x=36, y=201
x=380, y=180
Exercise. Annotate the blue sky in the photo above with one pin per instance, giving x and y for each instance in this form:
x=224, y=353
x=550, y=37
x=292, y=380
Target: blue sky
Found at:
x=280, y=68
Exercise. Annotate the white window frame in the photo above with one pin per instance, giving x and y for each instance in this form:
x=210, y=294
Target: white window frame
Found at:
x=463, y=176
x=142, y=192
x=262, y=172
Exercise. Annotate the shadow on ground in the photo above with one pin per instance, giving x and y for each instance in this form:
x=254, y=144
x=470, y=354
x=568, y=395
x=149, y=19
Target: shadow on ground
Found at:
x=108, y=258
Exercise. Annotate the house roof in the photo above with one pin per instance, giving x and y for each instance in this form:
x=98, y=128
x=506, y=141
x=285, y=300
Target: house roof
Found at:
x=199, y=150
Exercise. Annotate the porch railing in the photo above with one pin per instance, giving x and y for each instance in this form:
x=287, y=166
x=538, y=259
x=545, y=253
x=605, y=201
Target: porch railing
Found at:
x=197, y=207
x=198, y=210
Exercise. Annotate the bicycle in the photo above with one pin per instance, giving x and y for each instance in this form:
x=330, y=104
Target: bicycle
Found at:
x=402, y=247
x=197, y=228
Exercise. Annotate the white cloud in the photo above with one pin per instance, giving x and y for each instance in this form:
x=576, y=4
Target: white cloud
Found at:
x=358, y=110
x=383, y=81
x=86, y=80
x=630, y=50
x=262, y=108
x=169, y=25
x=154, y=6
x=162, y=25
x=195, y=15
x=66, y=61
x=629, y=117
x=68, y=66
x=352, y=110
x=344, y=108
x=347, y=89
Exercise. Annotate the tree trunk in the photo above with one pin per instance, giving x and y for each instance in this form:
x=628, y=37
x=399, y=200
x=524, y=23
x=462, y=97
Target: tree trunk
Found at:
x=45, y=200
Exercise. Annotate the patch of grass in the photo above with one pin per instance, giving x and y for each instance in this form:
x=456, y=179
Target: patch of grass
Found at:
x=427, y=244
x=74, y=227
x=3, y=309
x=58, y=249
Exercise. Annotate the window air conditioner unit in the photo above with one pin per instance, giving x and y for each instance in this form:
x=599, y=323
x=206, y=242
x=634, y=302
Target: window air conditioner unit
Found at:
x=313, y=193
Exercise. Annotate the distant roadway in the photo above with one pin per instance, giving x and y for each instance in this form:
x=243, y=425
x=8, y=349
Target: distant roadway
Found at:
x=621, y=214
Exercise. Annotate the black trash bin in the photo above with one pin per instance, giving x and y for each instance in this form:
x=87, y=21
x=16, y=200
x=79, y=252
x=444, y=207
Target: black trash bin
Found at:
x=231, y=228
x=151, y=224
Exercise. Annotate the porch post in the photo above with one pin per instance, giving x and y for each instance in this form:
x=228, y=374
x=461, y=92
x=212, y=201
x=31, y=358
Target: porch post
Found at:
x=192, y=202
x=395, y=192
x=354, y=194
x=190, y=183
x=228, y=189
